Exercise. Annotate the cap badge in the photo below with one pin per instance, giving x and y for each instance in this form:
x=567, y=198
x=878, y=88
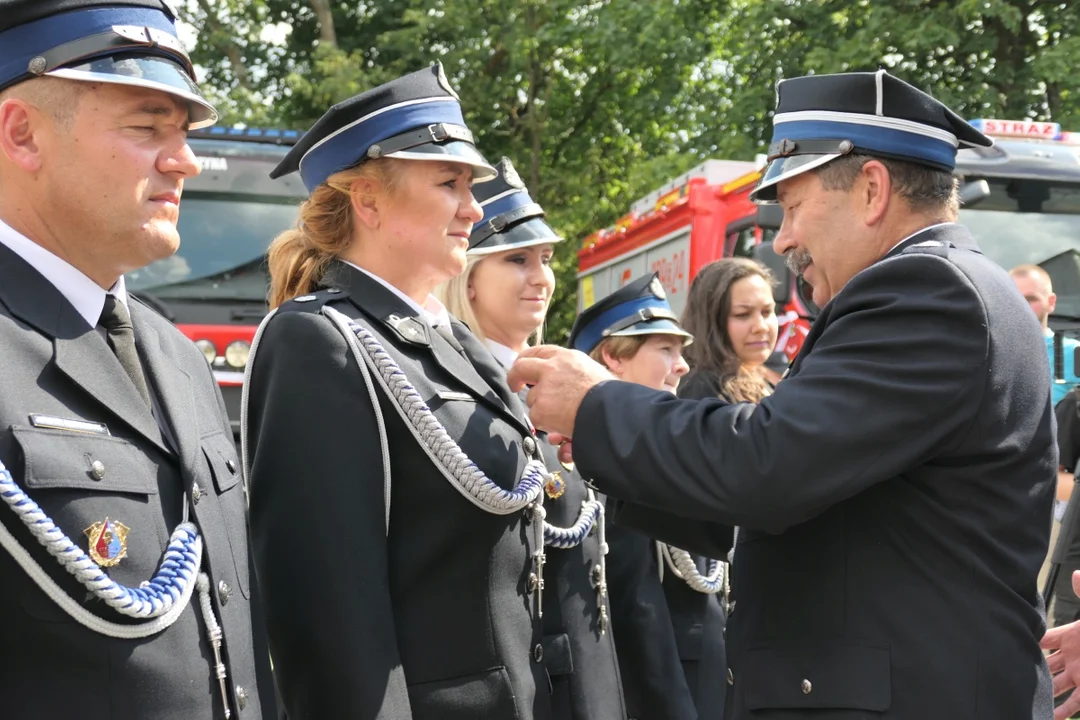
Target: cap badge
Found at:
x=510, y=175
x=445, y=84
x=657, y=288
x=555, y=486
x=108, y=542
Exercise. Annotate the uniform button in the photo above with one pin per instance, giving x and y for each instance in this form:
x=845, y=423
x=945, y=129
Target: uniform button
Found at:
x=97, y=469
x=730, y=677
x=529, y=445
x=806, y=687
x=538, y=652
x=231, y=465
x=196, y=493
x=241, y=697
x=224, y=591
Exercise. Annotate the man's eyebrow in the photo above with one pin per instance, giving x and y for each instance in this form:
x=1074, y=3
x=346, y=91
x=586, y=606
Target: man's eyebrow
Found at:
x=156, y=109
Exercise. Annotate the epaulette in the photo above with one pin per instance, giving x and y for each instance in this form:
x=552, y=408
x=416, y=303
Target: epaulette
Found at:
x=928, y=247
x=313, y=301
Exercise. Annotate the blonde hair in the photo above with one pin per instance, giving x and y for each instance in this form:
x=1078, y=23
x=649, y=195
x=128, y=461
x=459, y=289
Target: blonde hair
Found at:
x=454, y=294
x=298, y=257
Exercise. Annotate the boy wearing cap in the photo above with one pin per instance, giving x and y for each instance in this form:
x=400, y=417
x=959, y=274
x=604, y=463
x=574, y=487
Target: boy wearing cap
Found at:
x=888, y=490
x=126, y=589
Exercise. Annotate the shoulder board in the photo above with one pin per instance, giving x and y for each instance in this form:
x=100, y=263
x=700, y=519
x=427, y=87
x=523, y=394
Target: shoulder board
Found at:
x=927, y=247
x=313, y=302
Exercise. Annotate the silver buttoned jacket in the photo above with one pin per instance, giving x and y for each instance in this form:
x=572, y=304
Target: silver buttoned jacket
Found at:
x=103, y=455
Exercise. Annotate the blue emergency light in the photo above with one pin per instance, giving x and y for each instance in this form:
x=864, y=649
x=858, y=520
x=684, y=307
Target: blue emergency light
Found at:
x=267, y=135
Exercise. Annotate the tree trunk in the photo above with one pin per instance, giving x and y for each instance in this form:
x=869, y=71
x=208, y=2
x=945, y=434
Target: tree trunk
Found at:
x=232, y=50
x=327, y=34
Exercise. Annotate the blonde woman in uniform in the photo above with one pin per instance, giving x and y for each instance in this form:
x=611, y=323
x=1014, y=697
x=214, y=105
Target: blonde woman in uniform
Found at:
x=503, y=296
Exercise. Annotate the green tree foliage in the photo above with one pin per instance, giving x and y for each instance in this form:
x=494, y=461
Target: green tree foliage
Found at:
x=599, y=102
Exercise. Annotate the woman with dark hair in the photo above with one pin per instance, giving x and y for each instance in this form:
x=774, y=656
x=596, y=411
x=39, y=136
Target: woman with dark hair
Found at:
x=731, y=313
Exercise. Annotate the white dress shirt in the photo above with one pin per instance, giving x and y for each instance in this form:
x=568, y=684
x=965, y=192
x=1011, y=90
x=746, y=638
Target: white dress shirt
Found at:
x=503, y=354
x=87, y=297
x=432, y=311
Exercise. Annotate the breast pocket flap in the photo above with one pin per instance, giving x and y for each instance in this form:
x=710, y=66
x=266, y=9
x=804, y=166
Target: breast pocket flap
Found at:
x=220, y=452
x=60, y=459
x=840, y=676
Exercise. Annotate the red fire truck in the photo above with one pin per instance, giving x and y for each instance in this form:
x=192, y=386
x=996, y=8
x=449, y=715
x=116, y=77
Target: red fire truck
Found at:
x=1020, y=198
x=214, y=288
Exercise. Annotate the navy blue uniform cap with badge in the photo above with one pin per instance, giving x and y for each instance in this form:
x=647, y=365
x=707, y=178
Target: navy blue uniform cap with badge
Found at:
x=415, y=117
x=638, y=308
x=124, y=42
x=512, y=219
x=819, y=118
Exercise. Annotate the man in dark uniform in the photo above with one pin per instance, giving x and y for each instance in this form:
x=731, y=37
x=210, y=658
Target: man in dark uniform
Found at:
x=113, y=436
x=888, y=492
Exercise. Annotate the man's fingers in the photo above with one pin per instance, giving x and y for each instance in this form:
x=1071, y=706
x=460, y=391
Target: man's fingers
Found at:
x=1052, y=639
x=541, y=351
x=1076, y=582
x=557, y=438
x=1068, y=708
x=1062, y=683
x=1056, y=663
x=566, y=453
x=525, y=371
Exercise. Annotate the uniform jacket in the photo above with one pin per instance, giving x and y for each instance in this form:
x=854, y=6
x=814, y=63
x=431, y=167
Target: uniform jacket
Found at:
x=53, y=363
x=581, y=661
x=899, y=483
x=654, y=682
x=436, y=620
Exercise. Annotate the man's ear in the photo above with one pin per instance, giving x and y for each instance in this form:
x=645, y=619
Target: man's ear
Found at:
x=20, y=126
x=367, y=201
x=875, y=191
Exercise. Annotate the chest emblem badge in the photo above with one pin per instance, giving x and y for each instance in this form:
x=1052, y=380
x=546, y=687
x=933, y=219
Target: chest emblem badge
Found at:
x=555, y=486
x=108, y=542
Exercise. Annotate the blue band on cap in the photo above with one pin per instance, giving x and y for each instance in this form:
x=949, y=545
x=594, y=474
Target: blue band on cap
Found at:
x=20, y=44
x=504, y=205
x=898, y=143
x=592, y=334
x=350, y=145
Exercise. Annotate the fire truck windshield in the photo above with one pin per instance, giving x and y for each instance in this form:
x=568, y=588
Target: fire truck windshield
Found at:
x=1032, y=222
x=223, y=241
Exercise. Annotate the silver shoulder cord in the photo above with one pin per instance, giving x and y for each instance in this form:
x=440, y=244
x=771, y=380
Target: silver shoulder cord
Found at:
x=682, y=566
x=377, y=366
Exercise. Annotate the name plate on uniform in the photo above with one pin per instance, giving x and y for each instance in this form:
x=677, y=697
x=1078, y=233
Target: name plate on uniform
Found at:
x=53, y=422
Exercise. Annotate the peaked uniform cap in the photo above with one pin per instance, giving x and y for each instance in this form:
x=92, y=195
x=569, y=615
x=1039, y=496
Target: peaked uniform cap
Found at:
x=122, y=42
x=511, y=218
x=818, y=118
x=638, y=308
x=415, y=117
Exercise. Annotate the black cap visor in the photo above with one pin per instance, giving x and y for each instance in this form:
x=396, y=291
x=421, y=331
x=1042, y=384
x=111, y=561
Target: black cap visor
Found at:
x=783, y=168
x=525, y=234
x=455, y=151
x=149, y=71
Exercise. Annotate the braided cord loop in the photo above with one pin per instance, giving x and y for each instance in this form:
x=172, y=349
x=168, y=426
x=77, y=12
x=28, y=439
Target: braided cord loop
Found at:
x=682, y=565
x=155, y=598
x=469, y=480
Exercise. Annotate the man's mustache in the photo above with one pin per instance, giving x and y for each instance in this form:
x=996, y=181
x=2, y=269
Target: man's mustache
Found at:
x=798, y=260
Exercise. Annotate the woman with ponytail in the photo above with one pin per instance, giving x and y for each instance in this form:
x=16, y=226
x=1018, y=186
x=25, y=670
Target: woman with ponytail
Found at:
x=395, y=481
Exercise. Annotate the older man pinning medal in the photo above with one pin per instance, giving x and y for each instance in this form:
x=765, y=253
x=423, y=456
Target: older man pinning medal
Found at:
x=894, y=493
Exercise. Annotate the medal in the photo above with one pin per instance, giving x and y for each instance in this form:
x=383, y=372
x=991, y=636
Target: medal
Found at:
x=108, y=542
x=556, y=486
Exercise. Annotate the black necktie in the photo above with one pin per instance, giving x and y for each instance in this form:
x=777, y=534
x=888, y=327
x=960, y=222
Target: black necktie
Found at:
x=121, y=338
